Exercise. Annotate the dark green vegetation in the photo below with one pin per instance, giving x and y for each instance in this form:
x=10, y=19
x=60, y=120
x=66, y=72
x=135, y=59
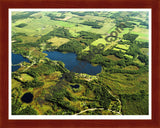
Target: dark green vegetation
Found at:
x=21, y=25
x=93, y=24
x=120, y=88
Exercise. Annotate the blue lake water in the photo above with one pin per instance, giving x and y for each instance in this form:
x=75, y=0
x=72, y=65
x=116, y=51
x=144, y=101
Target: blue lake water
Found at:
x=72, y=64
x=16, y=59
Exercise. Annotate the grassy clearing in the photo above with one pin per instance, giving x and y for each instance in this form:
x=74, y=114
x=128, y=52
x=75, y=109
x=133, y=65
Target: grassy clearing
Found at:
x=145, y=51
x=37, y=15
x=137, y=23
x=138, y=62
x=142, y=32
x=106, y=27
x=99, y=41
x=15, y=83
x=129, y=56
x=81, y=28
x=124, y=31
x=34, y=26
x=64, y=24
x=89, y=17
x=28, y=39
x=26, y=77
x=123, y=46
x=75, y=20
x=104, y=30
x=86, y=49
x=131, y=68
x=111, y=29
x=117, y=49
x=111, y=45
x=57, y=41
x=113, y=57
x=73, y=32
x=39, y=26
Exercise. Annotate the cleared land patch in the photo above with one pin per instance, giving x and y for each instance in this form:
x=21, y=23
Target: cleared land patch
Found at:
x=117, y=49
x=131, y=68
x=26, y=77
x=99, y=41
x=145, y=51
x=104, y=30
x=57, y=41
x=15, y=83
x=122, y=46
x=28, y=39
x=142, y=32
x=113, y=57
x=128, y=56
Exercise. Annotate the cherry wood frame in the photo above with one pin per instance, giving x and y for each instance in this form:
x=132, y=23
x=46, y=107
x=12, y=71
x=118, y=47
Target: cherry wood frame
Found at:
x=6, y=123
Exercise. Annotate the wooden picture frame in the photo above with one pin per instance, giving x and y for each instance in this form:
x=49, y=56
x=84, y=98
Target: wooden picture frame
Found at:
x=4, y=120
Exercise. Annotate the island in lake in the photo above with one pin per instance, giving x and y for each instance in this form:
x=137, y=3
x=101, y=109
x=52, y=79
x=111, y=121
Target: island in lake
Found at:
x=80, y=62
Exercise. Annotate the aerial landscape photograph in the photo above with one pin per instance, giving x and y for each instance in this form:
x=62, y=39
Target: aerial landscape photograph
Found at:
x=79, y=62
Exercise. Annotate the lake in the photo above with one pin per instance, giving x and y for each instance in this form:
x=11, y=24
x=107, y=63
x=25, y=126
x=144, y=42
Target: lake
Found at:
x=16, y=59
x=72, y=64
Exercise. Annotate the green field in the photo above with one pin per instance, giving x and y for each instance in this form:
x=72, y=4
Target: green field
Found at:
x=117, y=49
x=57, y=41
x=145, y=51
x=142, y=32
x=99, y=41
x=124, y=47
x=129, y=56
x=113, y=57
x=26, y=77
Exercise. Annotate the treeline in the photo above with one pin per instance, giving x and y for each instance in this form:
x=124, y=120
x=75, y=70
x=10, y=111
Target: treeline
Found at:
x=144, y=24
x=95, y=13
x=59, y=32
x=21, y=25
x=72, y=46
x=88, y=37
x=32, y=84
x=46, y=68
x=18, y=34
x=133, y=50
x=55, y=17
x=93, y=24
x=143, y=44
x=76, y=46
x=120, y=17
x=27, y=84
x=79, y=13
x=143, y=59
x=22, y=15
x=15, y=37
x=130, y=36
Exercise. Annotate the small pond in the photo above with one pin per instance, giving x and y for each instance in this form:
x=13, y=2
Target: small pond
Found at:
x=27, y=97
x=75, y=86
